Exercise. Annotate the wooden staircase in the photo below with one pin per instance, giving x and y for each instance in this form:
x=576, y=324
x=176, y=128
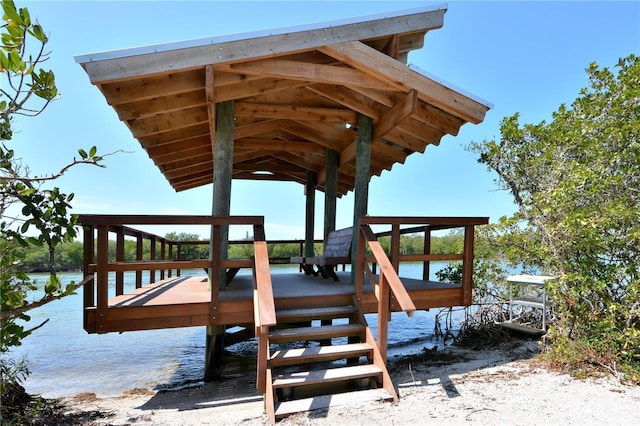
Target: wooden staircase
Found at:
x=321, y=357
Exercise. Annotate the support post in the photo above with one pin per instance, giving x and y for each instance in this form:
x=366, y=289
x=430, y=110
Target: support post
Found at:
x=330, y=191
x=310, y=212
x=363, y=169
x=467, y=266
x=221, y=206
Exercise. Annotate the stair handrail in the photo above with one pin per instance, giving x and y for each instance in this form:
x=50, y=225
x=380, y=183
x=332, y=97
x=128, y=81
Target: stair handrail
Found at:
x=264, y=310
x=388, y=273
x=389, y=282
x=264, y=304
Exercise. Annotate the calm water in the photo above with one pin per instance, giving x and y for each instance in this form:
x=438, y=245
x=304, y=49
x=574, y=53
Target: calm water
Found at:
x=64, y=360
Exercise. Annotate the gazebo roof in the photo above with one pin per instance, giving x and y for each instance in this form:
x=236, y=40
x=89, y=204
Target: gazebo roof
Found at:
x=297, y=92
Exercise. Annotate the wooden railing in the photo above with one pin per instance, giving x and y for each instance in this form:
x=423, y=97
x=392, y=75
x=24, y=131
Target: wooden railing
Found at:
x=97, y=262
x=264, y=311
x=388, y=282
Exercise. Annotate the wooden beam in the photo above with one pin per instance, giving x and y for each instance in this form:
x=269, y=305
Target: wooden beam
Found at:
x=310, y=72
x=348, y=98
x=395, y=116
x=146, y=88
x=329, y=135
x=279, y=145
x=168, y=122
x=260, y=127
x=369, y=60
x=393, y=47
x=198, y=129
x=161, y=105
x=133, y=64
x=294, y=112
x=177, y=153
x=258, y=85
x=189, y=168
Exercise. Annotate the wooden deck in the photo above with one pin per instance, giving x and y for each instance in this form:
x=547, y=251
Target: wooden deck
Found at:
x=185, y=301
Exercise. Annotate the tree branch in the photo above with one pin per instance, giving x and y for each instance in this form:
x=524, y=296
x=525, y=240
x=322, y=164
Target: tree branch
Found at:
x=46, y=299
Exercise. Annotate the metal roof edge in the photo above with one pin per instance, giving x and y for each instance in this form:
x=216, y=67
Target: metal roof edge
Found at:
x=154, y=48
x=451, y=86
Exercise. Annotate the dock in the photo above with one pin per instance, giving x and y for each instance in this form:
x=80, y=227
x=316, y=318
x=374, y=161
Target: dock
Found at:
x=184, y=301
x=293, y=308
x=328, y=106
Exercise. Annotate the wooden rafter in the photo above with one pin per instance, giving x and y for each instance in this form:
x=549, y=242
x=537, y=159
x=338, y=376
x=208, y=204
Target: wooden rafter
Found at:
x=296, y=94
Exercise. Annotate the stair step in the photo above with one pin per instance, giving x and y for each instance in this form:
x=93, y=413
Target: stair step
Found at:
x=325, y=401
x=319, y=354
x=315, y=313
x=326, y=375
x=315, y=333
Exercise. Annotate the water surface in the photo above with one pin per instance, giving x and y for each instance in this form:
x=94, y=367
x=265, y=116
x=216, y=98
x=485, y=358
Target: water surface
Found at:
x=64, y=360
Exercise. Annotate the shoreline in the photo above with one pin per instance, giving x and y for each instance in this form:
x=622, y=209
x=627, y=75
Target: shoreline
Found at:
x=500, y=385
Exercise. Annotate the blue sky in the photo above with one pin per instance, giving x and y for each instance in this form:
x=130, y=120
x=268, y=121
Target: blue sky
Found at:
x=526, y=57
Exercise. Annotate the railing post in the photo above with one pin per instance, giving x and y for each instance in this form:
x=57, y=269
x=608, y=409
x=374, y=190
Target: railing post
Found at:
x=179, y=258
x=395, y=246
x=163, y=255
x=467, y=265
x=170, y=271
x=139, y=254
x=88, y=258
x=152, y=256
x=426, y=265
x=119, y=258
x=102, y=277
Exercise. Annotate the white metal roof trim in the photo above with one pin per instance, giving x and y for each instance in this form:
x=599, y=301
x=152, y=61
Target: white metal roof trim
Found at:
x=143, y=50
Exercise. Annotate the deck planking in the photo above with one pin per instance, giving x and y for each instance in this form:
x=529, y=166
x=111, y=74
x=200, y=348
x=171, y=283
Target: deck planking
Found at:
x=185, y=301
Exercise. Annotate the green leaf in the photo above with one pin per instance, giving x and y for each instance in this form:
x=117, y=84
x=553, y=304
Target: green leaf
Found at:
x=38, y=33
x=11, y=12
x=82, y=153
x=25, y=227
x=26, y=19
x=92, y=151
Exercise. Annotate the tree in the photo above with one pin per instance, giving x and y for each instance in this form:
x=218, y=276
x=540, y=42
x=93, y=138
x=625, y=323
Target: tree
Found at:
x=26, y=90
x=576, y=184
x=194, y=251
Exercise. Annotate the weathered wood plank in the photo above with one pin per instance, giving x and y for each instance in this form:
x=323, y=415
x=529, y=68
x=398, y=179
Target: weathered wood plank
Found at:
x=326, y=376
x=294, y=112
x=396, y=115
x=305, y=71
x=132, y=65
x=369, y=60
x=319, y=354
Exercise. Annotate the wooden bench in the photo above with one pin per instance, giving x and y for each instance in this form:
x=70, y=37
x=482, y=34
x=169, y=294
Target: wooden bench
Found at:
x=337, y=250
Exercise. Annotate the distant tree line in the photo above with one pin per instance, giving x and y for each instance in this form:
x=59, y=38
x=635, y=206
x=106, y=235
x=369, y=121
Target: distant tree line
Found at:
x=70, y=254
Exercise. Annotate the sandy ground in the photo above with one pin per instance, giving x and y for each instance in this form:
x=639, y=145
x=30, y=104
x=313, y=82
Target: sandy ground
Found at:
x=504, y=385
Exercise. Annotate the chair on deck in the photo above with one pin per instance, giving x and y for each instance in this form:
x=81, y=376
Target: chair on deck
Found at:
x=337, y=250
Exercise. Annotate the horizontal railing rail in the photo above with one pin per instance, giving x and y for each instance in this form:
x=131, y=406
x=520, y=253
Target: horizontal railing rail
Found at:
x=97, y=262
x=388, y=281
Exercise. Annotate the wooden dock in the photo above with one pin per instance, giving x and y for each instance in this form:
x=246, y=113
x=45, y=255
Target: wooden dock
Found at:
x=185, y=301
x=293, y=308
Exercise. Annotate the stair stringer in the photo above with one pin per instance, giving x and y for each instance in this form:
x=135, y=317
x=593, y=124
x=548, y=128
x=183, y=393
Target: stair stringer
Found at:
x=383, y=380
x=378, y=359
x=269, y=401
